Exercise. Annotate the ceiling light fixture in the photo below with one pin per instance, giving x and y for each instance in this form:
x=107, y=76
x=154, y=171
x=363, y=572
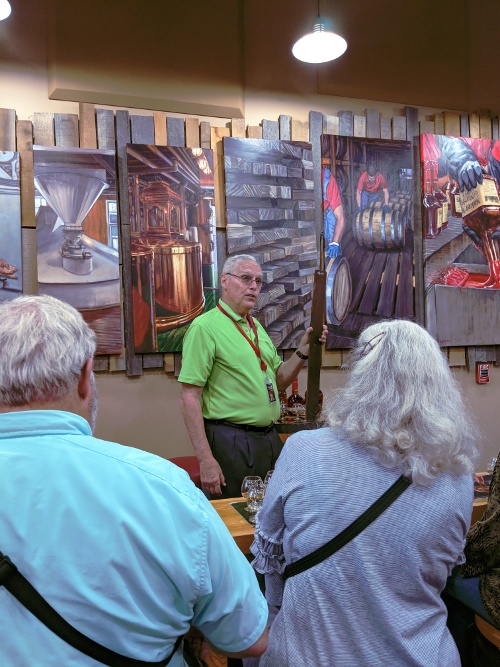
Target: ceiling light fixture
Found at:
x=320, y=45
x=5, y=9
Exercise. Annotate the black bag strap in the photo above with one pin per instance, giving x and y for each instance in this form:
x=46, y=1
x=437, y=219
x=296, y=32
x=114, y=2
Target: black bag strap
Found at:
x=349, y=533
x=20, y=588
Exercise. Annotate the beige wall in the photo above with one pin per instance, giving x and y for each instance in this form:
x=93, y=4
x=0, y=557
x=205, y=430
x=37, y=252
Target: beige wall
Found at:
x=144, y=411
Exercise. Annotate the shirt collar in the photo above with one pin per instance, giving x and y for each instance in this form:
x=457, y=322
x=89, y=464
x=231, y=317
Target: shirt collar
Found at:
x=232, y=313
x=42, y=422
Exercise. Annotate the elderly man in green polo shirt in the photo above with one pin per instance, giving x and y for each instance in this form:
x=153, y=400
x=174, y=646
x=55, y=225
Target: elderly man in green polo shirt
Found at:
x=231, y=375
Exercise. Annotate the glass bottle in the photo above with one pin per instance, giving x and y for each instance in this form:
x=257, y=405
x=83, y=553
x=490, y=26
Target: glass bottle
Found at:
x=296, y=404
x=320, y=401
x=431, y=207
x=442, y=218
x=456, y=208
x=481, y=213
x=283, y=405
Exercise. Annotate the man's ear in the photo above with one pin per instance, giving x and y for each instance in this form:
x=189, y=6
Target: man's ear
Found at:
x=84, y=384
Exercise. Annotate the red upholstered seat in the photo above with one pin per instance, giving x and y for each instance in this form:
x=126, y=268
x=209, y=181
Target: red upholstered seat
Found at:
x=191, y=466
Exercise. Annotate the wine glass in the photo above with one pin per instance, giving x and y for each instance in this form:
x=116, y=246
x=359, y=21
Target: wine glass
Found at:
x=248, y=482
x=268, y=476
x=255, y=497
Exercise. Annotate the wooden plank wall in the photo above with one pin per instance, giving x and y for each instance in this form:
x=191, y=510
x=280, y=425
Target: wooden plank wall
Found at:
x=106, y=129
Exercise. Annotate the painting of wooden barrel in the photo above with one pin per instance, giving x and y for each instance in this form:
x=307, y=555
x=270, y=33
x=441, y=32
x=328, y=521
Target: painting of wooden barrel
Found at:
x=338, y=290
x=372, y=228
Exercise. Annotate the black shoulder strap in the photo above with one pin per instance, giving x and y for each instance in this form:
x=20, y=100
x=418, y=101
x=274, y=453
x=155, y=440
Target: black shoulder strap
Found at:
x=20, y=588
x=351, y=531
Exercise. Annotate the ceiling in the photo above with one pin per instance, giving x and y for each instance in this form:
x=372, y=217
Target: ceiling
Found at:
x=205, y=58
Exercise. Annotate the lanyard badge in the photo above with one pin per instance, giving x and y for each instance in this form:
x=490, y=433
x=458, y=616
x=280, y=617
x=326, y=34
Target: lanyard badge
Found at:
x=255, y=346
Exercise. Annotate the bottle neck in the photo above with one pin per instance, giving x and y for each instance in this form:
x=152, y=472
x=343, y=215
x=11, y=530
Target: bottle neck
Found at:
x=295, y=386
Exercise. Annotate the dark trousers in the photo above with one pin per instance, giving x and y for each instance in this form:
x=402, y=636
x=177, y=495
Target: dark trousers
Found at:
x=241, y=451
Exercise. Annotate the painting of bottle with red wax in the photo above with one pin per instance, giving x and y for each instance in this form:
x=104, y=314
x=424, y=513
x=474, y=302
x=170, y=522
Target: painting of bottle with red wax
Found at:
x=461, y=233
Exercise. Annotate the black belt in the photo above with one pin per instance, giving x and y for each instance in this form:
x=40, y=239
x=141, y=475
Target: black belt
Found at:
x=244, y=427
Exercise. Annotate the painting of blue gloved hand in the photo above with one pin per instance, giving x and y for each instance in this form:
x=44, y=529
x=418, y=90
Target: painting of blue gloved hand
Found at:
x=333, y=250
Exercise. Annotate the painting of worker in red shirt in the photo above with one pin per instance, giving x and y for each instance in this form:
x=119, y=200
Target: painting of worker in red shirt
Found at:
x=367, y=249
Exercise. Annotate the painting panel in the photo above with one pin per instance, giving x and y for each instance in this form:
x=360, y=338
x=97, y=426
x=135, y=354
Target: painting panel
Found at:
x=461, y=228
x=77, y=236
x=173, y=242
x=11, y=282
x=367, y=187
x=271, y=216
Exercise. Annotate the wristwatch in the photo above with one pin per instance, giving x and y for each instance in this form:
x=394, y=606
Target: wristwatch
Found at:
x=300, y=355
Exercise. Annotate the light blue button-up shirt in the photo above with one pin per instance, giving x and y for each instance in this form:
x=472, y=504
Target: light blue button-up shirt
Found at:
x=119, y=542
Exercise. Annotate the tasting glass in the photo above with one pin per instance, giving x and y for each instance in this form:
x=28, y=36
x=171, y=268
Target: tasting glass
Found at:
x=255, y=497
x=248, y=482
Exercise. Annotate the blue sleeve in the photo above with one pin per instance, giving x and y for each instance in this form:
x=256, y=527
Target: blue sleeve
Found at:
x=234, y=615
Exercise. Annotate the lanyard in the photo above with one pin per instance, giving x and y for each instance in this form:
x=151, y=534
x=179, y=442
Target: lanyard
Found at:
x=255, y=346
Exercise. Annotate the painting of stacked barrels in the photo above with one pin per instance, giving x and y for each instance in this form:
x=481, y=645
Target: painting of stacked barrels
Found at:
x=367, y=187
x=10, y=227
x=77, y=236
x=173, y=252
x=461, y=229
x=271, y=216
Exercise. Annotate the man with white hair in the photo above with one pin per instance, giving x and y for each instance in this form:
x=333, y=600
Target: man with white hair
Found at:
x=231, y=375
x=118, y=541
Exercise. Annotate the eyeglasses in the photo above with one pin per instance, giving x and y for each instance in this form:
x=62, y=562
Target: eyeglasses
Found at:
x=247, y=280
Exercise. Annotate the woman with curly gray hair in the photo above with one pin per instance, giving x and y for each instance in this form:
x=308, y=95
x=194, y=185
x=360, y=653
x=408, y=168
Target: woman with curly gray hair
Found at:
x=376, y=602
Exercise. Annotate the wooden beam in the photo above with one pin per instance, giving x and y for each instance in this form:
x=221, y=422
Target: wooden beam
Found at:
x=373, y=123
x=439, y=123
x=464, y=125
x=66, y=130
x=270, y=130
x=238, y=127
x=27, y=183
x=359, y=126
x=285, y=127
x=385, y=128
x=175, y=131
x=485, y=126
x=411, y=115
x=87, y=125
x=474, y=125
x=399, y=127
x=331, y=124
x=300, y=130
x=205, y=134
x=133, y=361
x=217, y=134
x=105, y=129
x=43, y=129
x=160, y=128
x=451, y=123
x=30, y=270
x=254, y=132
x=7, y=130
x=346, y=123
x=142, y=129
x=192, y=133
x=426, y=127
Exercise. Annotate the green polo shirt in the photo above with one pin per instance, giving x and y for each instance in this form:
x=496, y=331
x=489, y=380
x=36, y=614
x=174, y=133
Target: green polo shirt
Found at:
x=217, y=357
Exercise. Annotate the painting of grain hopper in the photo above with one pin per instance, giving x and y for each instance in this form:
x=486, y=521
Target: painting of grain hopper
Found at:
x=367, y=187
x=271, y=215
x=461, y=232
x=11, y=284
x=173, y=252
x=77, y=236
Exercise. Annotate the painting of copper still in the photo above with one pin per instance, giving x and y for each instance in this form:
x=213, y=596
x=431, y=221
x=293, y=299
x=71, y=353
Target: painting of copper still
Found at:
x=10, y=227
x=172, y=220
x=77, y=236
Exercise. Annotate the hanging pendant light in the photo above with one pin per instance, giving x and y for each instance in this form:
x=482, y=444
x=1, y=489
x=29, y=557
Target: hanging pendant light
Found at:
x=320, y=45
x=5, y=9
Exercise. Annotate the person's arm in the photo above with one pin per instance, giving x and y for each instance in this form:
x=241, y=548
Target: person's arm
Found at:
x=358, y=198
x=386, y=196
x=210, y=472
x=289, y=369
x=251, y=652
x=339, y=225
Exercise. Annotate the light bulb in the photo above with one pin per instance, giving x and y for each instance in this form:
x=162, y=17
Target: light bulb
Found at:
x=319, y=46
x=197, y=151
x=202, y=164
x=5, y=9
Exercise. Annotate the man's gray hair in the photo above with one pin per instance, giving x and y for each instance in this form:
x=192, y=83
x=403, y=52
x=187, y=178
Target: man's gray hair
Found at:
x=402, y=403
x=231, y=263
x=44, y=344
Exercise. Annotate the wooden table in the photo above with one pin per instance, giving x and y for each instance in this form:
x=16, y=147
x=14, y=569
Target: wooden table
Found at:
x=240, y=529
